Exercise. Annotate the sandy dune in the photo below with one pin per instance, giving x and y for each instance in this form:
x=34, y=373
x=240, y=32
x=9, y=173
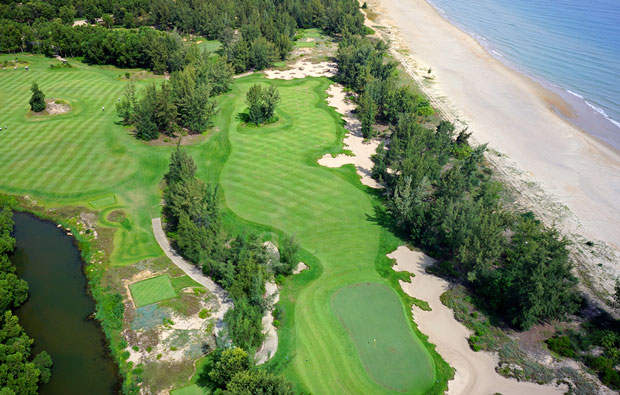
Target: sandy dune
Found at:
x=475, y=371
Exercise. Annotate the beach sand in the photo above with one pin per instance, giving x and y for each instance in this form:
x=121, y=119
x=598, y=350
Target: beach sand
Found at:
x=517, y=117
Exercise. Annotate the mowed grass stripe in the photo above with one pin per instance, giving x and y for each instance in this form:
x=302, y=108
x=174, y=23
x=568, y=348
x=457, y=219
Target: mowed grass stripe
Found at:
x=69, y=153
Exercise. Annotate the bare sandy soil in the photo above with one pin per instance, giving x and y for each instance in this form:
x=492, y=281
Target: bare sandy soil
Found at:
x=360, y=148
x=303, y=69
x=270, y=344
x=300, y=268
x=475, y=371
x=562, y=174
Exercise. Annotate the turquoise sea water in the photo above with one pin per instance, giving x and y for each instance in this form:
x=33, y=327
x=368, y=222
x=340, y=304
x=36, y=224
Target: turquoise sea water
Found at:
x=571, y=46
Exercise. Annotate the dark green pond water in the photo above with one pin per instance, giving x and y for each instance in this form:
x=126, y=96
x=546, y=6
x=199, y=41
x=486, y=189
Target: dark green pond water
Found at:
x=57, y=313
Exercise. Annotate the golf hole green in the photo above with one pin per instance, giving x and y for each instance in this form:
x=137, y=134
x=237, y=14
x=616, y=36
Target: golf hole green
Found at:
x=390, y=352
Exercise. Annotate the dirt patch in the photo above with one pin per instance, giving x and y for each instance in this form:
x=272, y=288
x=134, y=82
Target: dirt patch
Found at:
x=300, y=268
x=54, y=107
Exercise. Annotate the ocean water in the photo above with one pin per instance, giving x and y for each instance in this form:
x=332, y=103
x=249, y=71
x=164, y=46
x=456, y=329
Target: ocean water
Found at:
x=571, y=46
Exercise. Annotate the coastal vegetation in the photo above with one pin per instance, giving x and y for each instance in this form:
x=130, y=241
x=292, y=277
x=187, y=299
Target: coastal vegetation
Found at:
x=441, y=195
x=20, y=371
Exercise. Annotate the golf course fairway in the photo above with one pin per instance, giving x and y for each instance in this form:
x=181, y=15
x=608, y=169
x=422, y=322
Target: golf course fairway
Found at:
x=271, y=177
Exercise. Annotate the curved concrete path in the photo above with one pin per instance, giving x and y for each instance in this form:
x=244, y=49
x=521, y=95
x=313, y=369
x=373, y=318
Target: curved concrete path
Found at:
x=195, y=273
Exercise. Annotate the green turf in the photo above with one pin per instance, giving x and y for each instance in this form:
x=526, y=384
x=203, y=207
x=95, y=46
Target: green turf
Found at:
x=82, y=158
x=210, y=45
x=103, y=201
x=373, y=316
x=178, y=283
x=152, y=290
x=271, y=177
x=192, y=389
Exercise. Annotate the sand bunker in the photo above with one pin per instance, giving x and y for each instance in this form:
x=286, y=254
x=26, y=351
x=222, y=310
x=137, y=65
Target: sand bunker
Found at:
x=270, y=344
x=475, y=371
x=300, y=268
x=361, y=149
x=301, y=69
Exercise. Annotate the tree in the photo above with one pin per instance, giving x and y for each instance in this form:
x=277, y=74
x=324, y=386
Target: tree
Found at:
x=367, y=110
x=146, y=127
x=258, y=381
x=37, y=101
x=231, y=362
x=271, y=98
x=43, y=362
x=126, y=107
x=261, y=103
x=254, y=100
x=262, y=53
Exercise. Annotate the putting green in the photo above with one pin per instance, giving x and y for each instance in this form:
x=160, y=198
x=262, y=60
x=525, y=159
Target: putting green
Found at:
x=152, y=290
x=373, y=317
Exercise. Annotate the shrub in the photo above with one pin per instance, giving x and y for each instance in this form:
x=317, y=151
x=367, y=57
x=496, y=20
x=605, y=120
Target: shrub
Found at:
x=561, y=345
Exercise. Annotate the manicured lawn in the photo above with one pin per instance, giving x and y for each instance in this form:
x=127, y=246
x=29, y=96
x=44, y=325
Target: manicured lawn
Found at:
x=84, y=157
x=373, y=317
x=271, y=178
x=152, y=290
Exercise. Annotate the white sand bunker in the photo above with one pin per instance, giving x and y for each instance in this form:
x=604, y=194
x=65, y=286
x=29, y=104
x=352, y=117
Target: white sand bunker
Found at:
x=475, y=371
x=300, y=268
x=301, y=69
x=353, y=141
x=270, y=345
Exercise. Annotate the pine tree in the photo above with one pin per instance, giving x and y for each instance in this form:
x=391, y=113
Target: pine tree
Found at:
x=37, y=101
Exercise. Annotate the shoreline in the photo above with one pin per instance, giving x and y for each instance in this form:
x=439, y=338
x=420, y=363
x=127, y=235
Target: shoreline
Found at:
x=574, y=108
x=568, y=177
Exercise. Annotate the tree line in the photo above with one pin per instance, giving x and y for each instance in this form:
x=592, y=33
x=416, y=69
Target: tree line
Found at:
x=20, y=371
x=239, y=264
x=440, y=193
x=362, y=67
x=254, y=33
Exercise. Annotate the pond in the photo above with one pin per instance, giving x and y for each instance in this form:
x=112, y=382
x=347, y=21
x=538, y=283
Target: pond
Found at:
x=58, y=313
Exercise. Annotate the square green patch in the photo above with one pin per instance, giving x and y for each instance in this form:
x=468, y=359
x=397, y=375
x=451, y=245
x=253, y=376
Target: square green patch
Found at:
x=152, y=290
x=305, y=44
x=103, y=201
